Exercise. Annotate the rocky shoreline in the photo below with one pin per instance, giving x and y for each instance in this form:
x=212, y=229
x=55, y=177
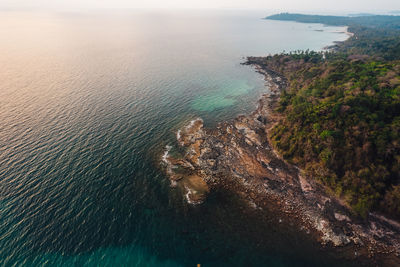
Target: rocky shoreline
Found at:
x=238, y=156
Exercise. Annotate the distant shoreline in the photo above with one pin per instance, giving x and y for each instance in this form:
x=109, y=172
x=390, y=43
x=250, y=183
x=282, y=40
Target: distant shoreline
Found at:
x=335, y=43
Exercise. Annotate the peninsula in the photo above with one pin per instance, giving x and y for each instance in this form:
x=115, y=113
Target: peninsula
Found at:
x=323, y=146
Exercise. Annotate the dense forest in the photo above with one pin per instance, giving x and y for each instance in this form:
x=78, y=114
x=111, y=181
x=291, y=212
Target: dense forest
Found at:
x=340, y=115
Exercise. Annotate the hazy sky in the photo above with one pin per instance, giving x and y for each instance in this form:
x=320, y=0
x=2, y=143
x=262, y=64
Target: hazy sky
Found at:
x=284, y=5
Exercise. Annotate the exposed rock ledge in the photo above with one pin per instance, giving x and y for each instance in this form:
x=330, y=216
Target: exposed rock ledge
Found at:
x=237, y=155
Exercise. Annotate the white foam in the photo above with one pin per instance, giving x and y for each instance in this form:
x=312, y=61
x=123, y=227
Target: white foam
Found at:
x=192, y=122
x=185, y=129
x=165, y=155
x=187, y=196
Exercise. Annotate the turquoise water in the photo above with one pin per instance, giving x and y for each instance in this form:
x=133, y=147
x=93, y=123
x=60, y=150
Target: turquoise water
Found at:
x=88, y=102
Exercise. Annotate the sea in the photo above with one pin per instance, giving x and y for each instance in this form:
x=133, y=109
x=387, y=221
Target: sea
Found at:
x=89, y=102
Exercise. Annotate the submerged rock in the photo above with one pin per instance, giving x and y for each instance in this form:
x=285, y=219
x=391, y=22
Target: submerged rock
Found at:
x=197, y=189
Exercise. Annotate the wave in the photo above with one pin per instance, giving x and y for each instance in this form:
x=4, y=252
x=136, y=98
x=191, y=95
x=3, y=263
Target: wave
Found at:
x=164, y=157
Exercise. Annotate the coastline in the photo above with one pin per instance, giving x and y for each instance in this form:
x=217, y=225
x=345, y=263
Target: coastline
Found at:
x=335, y=44
x=238, y=156
x=348, y=33
x=376, y=238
